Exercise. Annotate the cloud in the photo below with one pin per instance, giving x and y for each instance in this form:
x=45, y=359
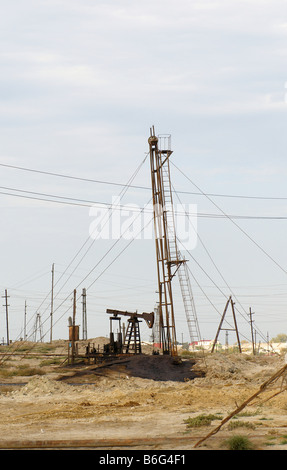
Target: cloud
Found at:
x=191, y=56
x=82, y=82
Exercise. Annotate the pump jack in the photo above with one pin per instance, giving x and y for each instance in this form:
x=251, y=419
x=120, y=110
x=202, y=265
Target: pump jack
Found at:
x=132, y=341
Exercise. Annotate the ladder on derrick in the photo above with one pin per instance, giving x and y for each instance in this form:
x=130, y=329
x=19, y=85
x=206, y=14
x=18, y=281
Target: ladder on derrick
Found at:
x=176, y=258
x=189, y=305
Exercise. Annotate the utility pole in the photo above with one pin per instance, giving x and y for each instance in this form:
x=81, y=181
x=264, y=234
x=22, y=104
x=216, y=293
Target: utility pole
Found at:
x=252, y=335
x=235, y=325
x=7, y=320
x=226, y=340
x=38, y=325
x=73, y=325
x=228, y=329
x=85, y=333
x=52, y=304
x=25, y=320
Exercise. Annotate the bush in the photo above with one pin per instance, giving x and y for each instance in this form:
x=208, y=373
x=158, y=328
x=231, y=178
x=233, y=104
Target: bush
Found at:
x=21, y=370
x=240, y=424
x=239, y=443
x=200, y=420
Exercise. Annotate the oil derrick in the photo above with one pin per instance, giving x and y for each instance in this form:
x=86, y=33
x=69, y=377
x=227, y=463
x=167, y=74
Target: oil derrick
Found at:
x=165, y=245
x=169, y=259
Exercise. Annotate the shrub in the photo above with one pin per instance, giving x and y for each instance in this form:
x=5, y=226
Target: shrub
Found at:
x=200, y=420
x=239, y=443
x=21, y=370
x=240, y=424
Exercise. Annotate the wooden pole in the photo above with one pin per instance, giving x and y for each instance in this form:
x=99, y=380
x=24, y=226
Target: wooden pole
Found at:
x=52, y=304
x=220, y=325
x=25, y=320
x=7, y=319
x=262, y=388
x=252, y=333
x=235, y=324
x=73, y=327
x=84, y=319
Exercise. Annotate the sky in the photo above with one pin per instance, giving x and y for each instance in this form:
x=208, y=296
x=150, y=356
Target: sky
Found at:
x=81, y=83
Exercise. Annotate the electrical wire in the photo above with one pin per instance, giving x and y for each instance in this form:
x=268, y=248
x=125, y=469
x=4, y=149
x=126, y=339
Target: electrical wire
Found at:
x=90, y=180
x=238, y=226
x=96, y=279
x=141, y=187
x=208, y=253
x=212, y=259
x=103, y=257
x=89, y=203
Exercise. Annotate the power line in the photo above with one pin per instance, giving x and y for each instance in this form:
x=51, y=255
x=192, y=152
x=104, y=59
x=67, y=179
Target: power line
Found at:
x=83, y=245
x=113, y=183
x=210, y=257
x=81, y=202
x=93, y=282
x=238, y=226
x=201, y=193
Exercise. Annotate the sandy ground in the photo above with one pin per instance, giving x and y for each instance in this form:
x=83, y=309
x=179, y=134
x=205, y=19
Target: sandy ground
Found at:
x=143, y=402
